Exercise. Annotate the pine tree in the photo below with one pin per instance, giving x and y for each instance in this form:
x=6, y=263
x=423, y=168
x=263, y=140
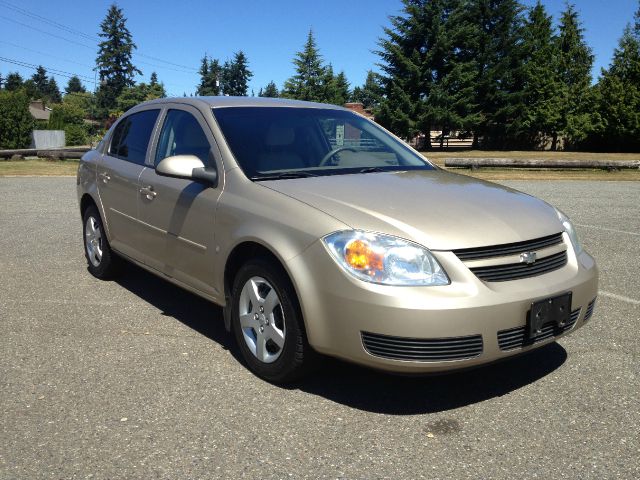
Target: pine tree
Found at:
x=269, y=91
x=576, y=61
x=493, y=30
x=210, y=77
x=13, y=81
x=341, y=88
x=40, y=80
x=619, y=90
x=307, y=82
x=539, y=115
x=16, y=123
x=370, y=94
x=155, y=88
x=75, y=86
x=52, y=92
x=236, y=76
x=416, y=56
x=115, y=67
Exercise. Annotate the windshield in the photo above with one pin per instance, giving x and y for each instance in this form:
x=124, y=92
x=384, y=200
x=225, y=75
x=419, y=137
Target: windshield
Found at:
x=283, y=142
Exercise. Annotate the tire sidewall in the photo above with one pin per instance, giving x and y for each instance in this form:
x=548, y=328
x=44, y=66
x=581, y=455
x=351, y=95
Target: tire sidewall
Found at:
x=287, y=366
x=104, y=268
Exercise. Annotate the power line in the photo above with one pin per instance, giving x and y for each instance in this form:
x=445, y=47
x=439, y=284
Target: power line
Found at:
x=35, y=16
x=47, y=33
x=54, y=70
x=48, y=55
x=74, y=31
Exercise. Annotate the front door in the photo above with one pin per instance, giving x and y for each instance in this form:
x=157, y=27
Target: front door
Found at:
x=118, y=176
x=180, y=214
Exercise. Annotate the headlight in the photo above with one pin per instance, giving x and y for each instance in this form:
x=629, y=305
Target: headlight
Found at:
x=384, y=259
x=571, y=231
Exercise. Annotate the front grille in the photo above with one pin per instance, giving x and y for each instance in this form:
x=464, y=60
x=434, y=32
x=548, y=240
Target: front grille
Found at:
x=517, y=337
x=508, y=248
x=589, y=312
x=422, y=349
x=515, y=271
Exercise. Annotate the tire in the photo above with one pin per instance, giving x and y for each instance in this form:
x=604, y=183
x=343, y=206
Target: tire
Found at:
x=271, y=335
x=102, y=261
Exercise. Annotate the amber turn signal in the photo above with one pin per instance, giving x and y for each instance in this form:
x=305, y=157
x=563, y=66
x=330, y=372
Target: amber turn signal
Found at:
x=360, y=256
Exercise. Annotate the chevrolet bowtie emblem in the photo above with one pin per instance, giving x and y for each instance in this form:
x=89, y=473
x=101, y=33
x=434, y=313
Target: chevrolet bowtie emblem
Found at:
x=528, y=257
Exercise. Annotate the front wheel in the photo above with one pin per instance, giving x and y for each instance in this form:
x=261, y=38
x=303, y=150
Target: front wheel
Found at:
x=267, y=323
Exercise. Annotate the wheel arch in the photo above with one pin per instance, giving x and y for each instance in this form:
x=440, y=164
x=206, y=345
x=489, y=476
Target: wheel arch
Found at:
x=241, y=254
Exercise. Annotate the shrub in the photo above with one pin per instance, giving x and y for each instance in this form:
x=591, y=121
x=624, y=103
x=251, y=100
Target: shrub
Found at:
x=75, y=135
x=65, y=114
x=16, y=123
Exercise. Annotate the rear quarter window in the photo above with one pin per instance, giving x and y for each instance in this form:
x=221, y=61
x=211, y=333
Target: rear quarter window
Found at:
x=131, y=136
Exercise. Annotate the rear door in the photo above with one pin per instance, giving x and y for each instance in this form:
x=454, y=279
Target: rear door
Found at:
x=118, y=176
x=180, y=214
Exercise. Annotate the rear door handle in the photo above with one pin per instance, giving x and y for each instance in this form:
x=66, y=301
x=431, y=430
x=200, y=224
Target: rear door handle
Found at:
x=148, y=192
x=105, y=177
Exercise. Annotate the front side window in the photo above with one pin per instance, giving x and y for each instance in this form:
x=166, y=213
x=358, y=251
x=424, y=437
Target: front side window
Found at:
x=131, y=136
x=271, y=141
x=182, y=135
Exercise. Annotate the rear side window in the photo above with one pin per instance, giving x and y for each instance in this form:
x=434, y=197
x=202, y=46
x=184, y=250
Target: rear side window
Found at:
x=131, y=136
x=182, y=135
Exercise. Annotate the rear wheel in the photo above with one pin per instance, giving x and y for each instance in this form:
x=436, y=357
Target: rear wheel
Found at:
x=267, y=323
x=103, y=263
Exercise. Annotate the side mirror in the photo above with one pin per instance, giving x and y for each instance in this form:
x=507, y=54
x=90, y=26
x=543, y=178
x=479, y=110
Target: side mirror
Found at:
x=188, y=167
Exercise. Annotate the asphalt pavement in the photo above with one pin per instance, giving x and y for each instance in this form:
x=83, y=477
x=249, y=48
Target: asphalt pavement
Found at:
x=137, y=378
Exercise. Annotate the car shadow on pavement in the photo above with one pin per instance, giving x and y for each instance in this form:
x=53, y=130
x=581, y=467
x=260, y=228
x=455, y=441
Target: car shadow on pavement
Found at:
x=349, y=384
x=382, y=392
x=195, y=312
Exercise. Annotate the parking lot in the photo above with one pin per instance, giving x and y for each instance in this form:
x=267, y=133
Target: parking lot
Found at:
x=137, y=378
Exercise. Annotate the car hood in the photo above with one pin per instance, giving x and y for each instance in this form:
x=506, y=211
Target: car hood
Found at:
x=440, y=210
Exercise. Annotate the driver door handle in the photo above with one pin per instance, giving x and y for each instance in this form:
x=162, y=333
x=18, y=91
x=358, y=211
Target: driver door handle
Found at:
x=148, y=192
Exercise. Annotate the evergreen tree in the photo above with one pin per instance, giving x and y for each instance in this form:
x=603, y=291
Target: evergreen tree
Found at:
x=370, y=94
x=539, y=115
x=236, y=75
x=210, y=77
x=269, y=91
x=341, y=90
x=155, y=88
x=75, y=86
x=215, y=77
x=576, y=61
x=40, y=80
x=16, y=123
x=52, y=92
x=307, y=82
x=415, y=64
x=115, y=67
x=619, y=90
x=13, y=81
x=404, y=55
x=494, y=30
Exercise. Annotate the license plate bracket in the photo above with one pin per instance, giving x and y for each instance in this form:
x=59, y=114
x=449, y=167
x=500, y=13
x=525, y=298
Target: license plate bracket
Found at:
x=556, y=310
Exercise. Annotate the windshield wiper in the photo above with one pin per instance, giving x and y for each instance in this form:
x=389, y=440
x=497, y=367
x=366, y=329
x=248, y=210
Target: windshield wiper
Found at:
x=283, y=176
x=372, y=170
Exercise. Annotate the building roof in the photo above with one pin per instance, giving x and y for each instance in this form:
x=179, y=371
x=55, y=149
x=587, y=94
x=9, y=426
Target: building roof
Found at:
x=38, y=110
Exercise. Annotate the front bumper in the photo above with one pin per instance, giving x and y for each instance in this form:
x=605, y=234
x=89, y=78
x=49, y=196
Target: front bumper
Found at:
x=338, y=309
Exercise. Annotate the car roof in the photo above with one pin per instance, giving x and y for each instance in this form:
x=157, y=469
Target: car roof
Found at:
x=222, y=102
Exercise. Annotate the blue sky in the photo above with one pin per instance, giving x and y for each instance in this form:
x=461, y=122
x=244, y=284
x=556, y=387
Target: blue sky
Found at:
x=177, y=34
